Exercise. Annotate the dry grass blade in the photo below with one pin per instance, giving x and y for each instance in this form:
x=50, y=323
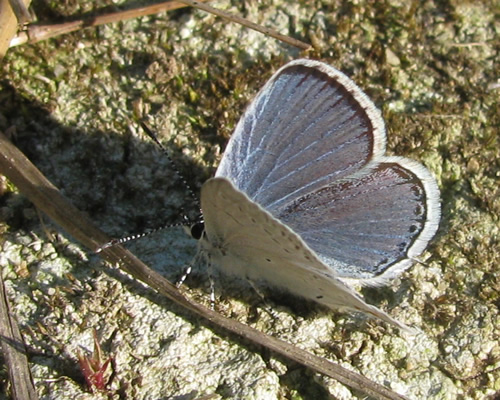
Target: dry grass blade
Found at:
x=30, y=181
x=14, y=352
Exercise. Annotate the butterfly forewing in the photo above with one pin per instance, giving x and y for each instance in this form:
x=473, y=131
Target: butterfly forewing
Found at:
x=245, y=240
x=236, y=226
x=304, y=130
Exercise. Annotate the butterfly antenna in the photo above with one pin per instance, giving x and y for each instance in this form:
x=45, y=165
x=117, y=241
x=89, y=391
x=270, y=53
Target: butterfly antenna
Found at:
x=175, y=169
x=186, y=219
x=114, y=242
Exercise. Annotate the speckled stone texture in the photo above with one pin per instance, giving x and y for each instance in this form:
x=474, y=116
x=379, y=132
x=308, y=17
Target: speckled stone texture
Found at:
x=70, y=104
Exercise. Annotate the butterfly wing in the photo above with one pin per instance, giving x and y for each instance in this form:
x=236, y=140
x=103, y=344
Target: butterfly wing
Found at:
x=370, y=226
x=243, y=239
x=309, y=126
x=312, y=141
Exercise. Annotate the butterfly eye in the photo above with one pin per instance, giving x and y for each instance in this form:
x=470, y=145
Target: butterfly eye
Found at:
x=197, y=230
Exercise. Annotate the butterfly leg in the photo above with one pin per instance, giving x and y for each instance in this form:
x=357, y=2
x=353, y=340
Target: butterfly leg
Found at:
x=189, y=268
x=187, y=271
x=210, y=273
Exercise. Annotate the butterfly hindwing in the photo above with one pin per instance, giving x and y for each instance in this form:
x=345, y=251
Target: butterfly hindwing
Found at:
x=369, y=227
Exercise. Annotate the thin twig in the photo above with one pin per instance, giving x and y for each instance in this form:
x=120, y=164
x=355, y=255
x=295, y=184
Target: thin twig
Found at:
x=37, y=32
x=30, y=181
x=248, y=24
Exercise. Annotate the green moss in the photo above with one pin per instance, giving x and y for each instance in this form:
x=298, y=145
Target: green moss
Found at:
x=430, y=66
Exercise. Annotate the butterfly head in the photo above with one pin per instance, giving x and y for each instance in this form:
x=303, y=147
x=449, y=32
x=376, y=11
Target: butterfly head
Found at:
x=196, y=230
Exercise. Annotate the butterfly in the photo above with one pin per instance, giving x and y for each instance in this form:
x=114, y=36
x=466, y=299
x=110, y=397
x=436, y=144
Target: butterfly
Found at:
x=305, y=199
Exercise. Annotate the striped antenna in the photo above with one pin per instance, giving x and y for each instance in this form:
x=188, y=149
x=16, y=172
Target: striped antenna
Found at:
x=186, y=221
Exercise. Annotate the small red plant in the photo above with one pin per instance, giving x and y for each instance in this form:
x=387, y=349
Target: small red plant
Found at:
x=96, y=371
